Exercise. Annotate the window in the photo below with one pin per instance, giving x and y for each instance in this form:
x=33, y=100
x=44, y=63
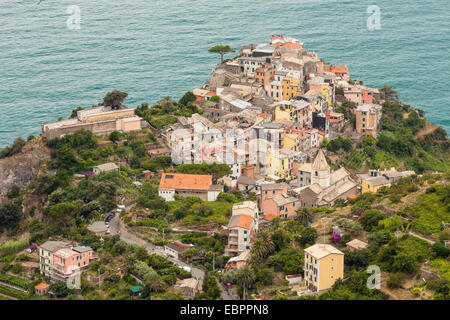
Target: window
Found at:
x=245, y=231
x=316, y=173
x=245, y=239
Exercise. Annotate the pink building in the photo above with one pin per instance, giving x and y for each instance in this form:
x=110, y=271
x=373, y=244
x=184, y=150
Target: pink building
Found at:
x=268, y=192
x=275, y=90
x=335, y=118
x=359, y=94
x=340, y=72
x=275, y=202
x=67, y=262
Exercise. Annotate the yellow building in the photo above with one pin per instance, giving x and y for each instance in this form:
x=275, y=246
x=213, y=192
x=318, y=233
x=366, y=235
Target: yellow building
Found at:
x=294, y=110
x=324, y=264
x=372, y=184
x=291, y=141
x=279, y=163
x=291, y=88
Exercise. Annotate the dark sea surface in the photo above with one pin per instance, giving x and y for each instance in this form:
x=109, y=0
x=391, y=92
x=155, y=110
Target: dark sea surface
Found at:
x=153, y=48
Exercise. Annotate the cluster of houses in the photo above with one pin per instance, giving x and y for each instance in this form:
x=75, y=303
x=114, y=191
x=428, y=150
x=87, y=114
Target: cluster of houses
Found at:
x=273, y=106
x=265, y=114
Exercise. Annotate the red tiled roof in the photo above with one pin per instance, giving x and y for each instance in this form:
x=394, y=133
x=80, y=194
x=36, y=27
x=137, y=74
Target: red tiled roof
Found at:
x=41, y=286
x=185, y=181
x=336, y=69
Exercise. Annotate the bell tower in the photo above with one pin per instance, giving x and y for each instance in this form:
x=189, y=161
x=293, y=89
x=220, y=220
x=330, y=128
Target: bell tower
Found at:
x=320, y=170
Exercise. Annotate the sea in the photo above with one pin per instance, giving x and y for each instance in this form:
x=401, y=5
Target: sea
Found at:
x=56, y=55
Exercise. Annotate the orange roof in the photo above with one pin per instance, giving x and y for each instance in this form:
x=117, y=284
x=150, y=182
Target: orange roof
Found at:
x=41, y=286
x=263, y=115
x=185, y=181
x=336, y=69
x=211, y=94
x=352, y=196
x=269, y=217
x=245, y=221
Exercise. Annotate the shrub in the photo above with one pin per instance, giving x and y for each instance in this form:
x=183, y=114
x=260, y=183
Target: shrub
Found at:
x=395, y=280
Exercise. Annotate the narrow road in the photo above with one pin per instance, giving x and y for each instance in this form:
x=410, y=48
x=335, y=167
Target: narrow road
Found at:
x=116, y=227
x=224, y=292
x=414, y=234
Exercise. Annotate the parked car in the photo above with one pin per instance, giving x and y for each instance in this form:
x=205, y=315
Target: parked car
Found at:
x=186, y=268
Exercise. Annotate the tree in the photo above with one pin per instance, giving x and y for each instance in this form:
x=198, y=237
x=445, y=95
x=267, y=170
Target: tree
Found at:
x=114, y=136
x=14, y=192
x=395, y=280
x=10, y=213
x=222, y=50
x=75, y=112
x=245, y=277
x=188, y=97
x=210, y=286
x=304, y=215
x=59, y=289
x=16, y=147
x=263, y=245
x=62, y=213
x=370, y=219
x=114, y=98
x=308, y=236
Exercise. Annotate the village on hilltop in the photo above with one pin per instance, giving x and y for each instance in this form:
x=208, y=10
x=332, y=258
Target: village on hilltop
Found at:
x=249, y=155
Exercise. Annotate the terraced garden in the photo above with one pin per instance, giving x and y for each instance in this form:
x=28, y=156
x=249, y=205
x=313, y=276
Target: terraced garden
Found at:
x=15, y=281
x=6, y=291
x=355, y=160
x=10, y=292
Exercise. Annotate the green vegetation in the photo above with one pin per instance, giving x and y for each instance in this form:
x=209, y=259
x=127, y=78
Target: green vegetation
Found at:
x=12, y=292
x=13, y=246
x=16, y=147
x=431, y=210
x=217, y=170
x=15, y=281
x=355, y=160
x=222, y=50
x=114, y=98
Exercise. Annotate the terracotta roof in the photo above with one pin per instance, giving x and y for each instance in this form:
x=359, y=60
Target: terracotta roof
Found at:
x=42, y=286
x=336, y=69
x=270, y=217
x=185, y=181
x=241, y=221
x=352, y=196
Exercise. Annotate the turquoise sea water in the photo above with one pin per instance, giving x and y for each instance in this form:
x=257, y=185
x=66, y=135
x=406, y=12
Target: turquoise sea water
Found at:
x=153, y=48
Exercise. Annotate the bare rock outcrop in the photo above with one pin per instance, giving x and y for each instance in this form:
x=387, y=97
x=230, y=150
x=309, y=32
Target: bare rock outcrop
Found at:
x=21, y=168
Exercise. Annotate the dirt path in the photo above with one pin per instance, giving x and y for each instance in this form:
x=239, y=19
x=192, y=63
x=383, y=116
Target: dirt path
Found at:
x=395, y=294
x=429, y=128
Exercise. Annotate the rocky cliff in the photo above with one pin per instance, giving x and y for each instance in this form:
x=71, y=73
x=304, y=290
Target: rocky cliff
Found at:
x=21, y=168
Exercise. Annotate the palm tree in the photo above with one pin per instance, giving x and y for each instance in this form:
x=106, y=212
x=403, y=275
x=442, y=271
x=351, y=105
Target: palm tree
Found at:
x=245, y=277
x=263, y=245
x=304, y=215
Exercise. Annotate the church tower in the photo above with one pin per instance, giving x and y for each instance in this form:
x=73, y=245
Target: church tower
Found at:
x=320, y=170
